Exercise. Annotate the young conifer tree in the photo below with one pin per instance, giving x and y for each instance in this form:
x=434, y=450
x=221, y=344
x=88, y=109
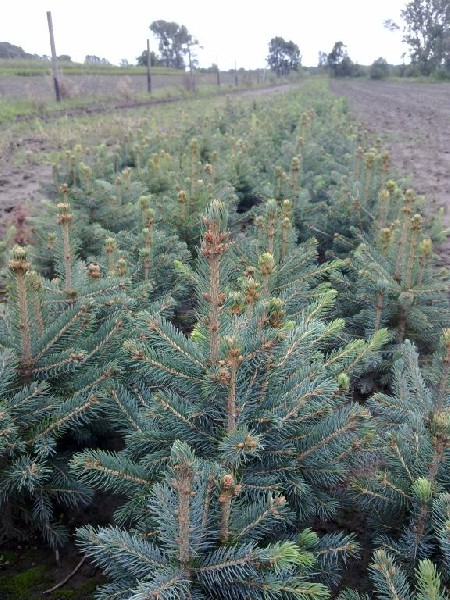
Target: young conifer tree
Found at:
x=406, y=493
x=390, y=581
x=270, y=264
x=393, y=280
x=250, y=390
x=34, y=480
x=57, y=338
x=185, y=556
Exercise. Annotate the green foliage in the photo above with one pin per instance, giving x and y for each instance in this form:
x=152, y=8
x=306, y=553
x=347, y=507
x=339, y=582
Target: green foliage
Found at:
x=392, y=280
x=175, y=42
x=283, y=56
x=56, y=339
x=184, y=315
x=407, y=488
x=390, y=581
x=8, y=50
x=284, y=437
x=379, y=69
x=339, y=62
x=33, y=476
x=427, y=32
x=142, y=59
x=183, y=556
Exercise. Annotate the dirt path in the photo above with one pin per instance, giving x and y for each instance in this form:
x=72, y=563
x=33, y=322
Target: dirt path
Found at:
x=20, y=185
x=413, y=119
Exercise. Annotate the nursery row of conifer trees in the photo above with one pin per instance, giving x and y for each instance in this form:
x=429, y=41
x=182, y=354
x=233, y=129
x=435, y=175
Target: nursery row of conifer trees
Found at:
x=247, y=303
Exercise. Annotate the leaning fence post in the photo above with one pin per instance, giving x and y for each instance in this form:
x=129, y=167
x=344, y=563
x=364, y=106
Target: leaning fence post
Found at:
x=55, y=69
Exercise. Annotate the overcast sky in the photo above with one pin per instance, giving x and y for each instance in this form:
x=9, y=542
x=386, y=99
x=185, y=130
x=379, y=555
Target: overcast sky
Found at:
x=228, y=30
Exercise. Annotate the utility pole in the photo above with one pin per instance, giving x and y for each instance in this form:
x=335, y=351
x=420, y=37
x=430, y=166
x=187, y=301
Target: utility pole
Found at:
x=235, y=75
x=55, y=69
x=149, y=76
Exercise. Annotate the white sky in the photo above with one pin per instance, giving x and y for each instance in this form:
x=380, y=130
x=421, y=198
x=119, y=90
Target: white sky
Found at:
x=228, y=30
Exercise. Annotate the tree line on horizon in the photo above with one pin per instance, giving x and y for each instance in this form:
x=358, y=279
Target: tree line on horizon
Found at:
x=426, y=31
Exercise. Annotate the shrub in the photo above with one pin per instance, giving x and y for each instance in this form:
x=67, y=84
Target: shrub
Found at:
x=379, y=69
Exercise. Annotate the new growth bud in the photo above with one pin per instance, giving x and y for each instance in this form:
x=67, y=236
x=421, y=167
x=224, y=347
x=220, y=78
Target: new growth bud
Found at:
x=266, y=264
x=19, y=262
x=422, y=489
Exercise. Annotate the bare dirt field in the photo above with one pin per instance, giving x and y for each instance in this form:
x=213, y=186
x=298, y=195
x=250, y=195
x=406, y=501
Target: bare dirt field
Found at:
x=413, y=120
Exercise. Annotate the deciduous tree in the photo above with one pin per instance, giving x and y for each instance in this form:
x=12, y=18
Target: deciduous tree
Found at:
x=427, y=32
x=142, y=59
x=283, y=56
x=175, y=42
x=339, y=61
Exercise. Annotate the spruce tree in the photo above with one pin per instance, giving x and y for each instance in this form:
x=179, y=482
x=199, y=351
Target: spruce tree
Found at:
x=58, y=341
x=406, y=492
x=391, y=583
x=250, y=390
x=185, y=556
x=392, y=280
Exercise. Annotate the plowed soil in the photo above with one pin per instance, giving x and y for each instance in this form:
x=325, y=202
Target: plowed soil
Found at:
x=413, y=120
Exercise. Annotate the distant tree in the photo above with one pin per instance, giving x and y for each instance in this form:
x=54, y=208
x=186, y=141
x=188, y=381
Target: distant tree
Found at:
x=175, y=42
x=8, y=50
x=379, y=69
x=154, y=60
x=391, y=25
x=65, y=58
x=191, y=48
x=283, y=56
x=322, y=60
x=339, y=62
x=427, y=33
x=91, y=59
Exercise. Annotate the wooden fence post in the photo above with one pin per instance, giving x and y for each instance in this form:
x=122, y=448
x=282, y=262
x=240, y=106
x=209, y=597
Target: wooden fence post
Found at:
x=149, y=60
x=55, y=69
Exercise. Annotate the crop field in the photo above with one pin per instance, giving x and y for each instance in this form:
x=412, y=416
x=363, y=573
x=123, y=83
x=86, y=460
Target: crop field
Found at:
x=225, y=346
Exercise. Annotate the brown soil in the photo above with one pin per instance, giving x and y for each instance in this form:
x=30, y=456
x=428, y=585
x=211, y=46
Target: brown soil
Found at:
x=20, y=188
x=413, y=120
